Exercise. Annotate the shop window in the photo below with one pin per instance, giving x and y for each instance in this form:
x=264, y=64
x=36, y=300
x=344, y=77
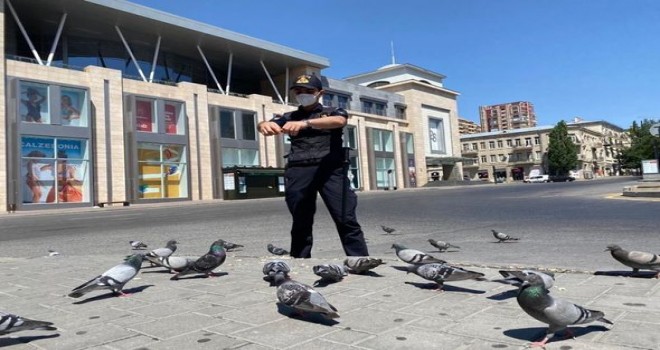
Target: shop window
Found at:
x=227, y=128
x=162, y=171
x=385, y=175
x=35, y=103
x=437, y=135
x=382, y=140
x=145, y=120
x=174, y=121
x=73, y=107
x=239, y=157
x=53, y=104
x=54, y=170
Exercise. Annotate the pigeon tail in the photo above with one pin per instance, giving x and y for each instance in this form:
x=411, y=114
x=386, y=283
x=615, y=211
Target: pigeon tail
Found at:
x=85, y=288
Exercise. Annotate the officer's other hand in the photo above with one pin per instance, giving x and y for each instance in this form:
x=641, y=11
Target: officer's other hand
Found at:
x=293, y=127
x=269, y=128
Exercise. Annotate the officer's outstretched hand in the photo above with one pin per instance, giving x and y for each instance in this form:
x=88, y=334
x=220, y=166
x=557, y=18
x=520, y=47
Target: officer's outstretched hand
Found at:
x=293, y=127
x=269, y=128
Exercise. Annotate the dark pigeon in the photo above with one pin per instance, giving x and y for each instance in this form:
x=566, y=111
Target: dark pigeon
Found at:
x=206, y=263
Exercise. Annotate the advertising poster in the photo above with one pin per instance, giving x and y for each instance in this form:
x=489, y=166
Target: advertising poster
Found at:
x=34, y=103
x=71, y=148
x=37, y=168
x=70, y=180
x=144, y=120
x=71, y=102
x=171, y=119
x=412, y=172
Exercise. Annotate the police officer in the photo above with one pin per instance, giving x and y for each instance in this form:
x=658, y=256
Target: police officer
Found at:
x=316, y=165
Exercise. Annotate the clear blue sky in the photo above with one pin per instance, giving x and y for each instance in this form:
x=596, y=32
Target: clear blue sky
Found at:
x=597, y=59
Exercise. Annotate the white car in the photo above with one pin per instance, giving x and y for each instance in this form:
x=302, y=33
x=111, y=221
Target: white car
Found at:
x=539, y=178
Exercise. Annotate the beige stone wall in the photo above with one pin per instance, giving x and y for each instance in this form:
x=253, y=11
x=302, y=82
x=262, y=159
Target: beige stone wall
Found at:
x=3, y=119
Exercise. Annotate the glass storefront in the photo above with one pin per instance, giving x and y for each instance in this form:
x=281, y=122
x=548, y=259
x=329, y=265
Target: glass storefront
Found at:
x=161, y=171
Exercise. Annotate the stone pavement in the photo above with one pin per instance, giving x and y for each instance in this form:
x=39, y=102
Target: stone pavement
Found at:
x=387, y=310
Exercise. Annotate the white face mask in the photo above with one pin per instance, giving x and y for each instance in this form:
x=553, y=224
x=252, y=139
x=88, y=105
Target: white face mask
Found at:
x=306, y=99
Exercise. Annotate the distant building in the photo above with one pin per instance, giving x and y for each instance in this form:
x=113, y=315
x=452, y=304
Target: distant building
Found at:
x=467, y=127
x=511, y=155
x=507, y=116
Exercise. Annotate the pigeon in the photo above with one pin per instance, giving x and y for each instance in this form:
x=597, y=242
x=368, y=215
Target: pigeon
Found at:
x=636, y=260
x=536, y=301
x=113, y=279
x=519, y=276
x=276, y=250
x=169, y=248
x=442, y=272
x=276, y=271
x=361, y=264
x=414, y=256
x=330, y=272
x=53, y=252
x=137, y=245
x=304, y=298
x=172, y=263
x=230, y=246
x=388, y=230
x=442, y=246
x=503, y=237
x=11, y=323
x=206, y=263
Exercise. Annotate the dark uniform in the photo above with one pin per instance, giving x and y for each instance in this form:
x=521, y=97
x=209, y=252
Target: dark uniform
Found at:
x=316, y=165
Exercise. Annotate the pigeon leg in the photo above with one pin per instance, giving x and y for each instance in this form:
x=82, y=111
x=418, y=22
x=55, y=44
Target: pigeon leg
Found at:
x=539, y=344
x=440, y=286
x=657, y=275
x=122, y=294
x=175, y=277
x=569, y=334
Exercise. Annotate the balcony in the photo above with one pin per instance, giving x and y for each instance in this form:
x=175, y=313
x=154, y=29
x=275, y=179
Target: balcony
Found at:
x=523, y=146
x=469, y=151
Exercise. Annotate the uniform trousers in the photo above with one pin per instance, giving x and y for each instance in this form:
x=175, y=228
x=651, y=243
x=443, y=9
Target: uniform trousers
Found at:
x=330, y=181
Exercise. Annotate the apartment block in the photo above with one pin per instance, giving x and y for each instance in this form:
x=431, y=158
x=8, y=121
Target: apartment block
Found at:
x=467, y=127
x=507, y=116
x=512, y=155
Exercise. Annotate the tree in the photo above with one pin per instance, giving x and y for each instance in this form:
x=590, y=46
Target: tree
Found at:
x=562, y=152
x=641, y=145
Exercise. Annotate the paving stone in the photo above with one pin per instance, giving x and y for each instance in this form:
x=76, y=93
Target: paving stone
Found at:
x=347, y=336
x=284, y=333
x=411, y=338
x=198, y=340
x=173, y=326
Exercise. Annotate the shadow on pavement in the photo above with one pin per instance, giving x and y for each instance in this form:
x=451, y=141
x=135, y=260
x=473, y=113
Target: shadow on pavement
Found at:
x=537, y=333
x=24, y=340
x=367, y=273
x=446, y=288
x=504, y=295
x=113, y=295
x=311, y=317
x=641, y=274
x=323, y=283
x=192, y=277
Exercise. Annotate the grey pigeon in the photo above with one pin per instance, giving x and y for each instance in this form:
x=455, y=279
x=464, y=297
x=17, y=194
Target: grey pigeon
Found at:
x=414, y=256
x=503, y=237
x=519, y=276
x=441, y=245
x=276, y=271
x=330, y=272
x=304, y=298
x=276, y=250
x=172, y=263
x=229, y=246
x=113, y=279
x=534, y=299
x=206, y=263
x=164, y=252
x=137, y=245
x=10, y=323
x=361, y=264
x=53, y=252
x=388, y=230
x=442, y=272
x=636, y=260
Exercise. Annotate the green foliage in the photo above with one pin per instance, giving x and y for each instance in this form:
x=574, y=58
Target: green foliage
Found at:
x=641, y=145
x=562, y=152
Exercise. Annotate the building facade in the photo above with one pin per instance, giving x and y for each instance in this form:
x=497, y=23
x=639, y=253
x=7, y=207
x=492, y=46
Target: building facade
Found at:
x=513, y=155
x=107, y=101
x=507, y=116
x=467, y=127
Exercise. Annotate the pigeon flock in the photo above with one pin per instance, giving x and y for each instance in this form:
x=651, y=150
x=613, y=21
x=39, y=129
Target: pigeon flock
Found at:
x=533, y=295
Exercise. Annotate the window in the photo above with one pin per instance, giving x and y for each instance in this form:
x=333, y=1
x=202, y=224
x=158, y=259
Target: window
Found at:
x=382, y=140
x=437, y=135
x=538, y=155
x=508, y=143
x=374, y=107
x=162, y=171
x=227, y=129
x=239, y=157
x=56, y=170
x=528, y=141
x=483, y=159
x=174, y=121
x=328, y=99
x=466, y=146
x=400, y=112
x=145, y=120
x=52, y=104
x=385, y=175
x=482, y=145
x=342, y=102
x=474, y=146
x=537, y=140
x=248, y=126
x=491, y=144
x=517, y=142
x=493, y=158
x=499, y=143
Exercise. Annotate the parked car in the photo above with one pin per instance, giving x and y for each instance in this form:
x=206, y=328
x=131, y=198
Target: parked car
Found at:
x=562, y=178
x=539, y=178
